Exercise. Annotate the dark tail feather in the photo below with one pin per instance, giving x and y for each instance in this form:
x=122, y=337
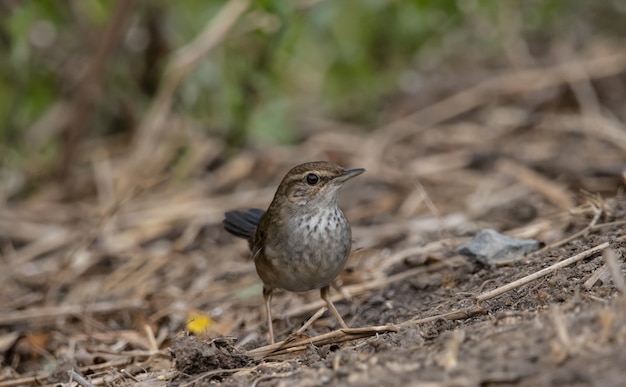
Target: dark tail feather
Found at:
x=242, y=223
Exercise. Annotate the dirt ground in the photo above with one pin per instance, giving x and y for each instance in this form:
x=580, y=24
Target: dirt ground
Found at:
x=144, y=287
x=553, y=331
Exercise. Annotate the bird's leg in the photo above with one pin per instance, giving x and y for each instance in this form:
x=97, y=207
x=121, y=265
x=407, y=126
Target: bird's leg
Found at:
x=325, y=294
x=267, y=296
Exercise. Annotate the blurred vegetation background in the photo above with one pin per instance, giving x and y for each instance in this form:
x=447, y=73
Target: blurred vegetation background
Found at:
x=284, y=68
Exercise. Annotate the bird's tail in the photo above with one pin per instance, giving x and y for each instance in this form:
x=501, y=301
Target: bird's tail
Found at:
x=242, y=223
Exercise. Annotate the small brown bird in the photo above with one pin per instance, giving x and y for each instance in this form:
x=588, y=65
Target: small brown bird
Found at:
x=303, y=240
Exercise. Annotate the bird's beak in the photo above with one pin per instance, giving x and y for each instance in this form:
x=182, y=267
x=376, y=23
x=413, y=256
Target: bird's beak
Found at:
x=349, y=174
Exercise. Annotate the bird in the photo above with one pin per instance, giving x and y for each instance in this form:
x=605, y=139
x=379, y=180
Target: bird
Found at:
x=303, y=240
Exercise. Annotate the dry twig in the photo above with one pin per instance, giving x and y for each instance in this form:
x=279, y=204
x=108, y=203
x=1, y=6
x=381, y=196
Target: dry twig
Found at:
x=296, y=344
x=541, y=273
x=47, y=314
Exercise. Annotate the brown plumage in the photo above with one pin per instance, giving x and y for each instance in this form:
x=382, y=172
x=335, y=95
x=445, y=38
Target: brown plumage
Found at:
x=303, y=240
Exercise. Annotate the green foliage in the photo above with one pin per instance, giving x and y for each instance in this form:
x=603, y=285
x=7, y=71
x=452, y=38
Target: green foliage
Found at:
x=285, y=57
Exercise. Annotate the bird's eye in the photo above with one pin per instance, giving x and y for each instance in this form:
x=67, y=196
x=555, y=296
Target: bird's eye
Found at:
x=312, y=179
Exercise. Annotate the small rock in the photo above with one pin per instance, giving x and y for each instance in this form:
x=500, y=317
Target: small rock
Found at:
x=490, y=247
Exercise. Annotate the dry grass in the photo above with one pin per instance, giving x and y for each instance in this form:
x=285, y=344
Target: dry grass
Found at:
x=100, y=284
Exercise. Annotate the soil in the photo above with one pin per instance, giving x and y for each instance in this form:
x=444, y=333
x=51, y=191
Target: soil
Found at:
x=515, y=342
x=144, y=287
